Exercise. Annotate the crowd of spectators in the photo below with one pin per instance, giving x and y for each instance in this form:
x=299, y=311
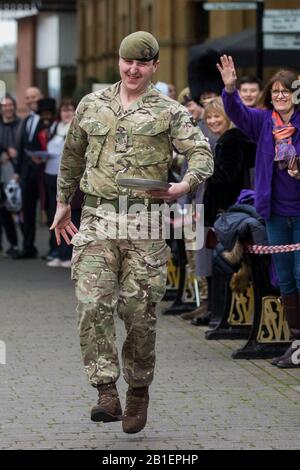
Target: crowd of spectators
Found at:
x=30, y=152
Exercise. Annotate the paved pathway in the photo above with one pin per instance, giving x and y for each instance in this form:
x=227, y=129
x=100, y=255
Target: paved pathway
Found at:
x=200, y=399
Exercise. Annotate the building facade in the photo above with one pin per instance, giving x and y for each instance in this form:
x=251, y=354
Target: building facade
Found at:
x=103, y=23
x=46, y=50
x=177, y=24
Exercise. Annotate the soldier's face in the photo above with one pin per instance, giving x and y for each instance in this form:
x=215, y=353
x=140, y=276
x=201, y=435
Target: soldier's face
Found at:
x=136, y=75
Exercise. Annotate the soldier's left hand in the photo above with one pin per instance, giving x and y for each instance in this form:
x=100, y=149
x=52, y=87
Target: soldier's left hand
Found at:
x=171, y=194
x=62, y=224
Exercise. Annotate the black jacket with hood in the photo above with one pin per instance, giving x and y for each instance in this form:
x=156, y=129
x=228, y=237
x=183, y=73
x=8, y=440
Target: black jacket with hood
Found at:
x=234, y=156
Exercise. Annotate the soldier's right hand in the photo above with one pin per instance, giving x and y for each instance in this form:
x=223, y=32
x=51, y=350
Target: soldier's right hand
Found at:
x=62, y=223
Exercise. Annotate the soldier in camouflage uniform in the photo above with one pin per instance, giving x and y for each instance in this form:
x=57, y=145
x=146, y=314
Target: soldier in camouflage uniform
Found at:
x=126, y=130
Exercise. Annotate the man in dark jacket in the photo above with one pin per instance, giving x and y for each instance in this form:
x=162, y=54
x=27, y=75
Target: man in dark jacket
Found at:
x=34, y=137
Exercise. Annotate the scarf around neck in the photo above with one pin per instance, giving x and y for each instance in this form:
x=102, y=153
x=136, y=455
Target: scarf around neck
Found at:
x=284, y=149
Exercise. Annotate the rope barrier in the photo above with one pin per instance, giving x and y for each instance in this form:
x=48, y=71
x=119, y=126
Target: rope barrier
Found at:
x=263, y=250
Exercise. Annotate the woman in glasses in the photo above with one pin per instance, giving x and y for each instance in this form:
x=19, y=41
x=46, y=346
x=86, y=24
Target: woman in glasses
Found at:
x=276, y=130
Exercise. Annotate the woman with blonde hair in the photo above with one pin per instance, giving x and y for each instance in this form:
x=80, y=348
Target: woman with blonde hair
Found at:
x=215, y=108
x=231, y=173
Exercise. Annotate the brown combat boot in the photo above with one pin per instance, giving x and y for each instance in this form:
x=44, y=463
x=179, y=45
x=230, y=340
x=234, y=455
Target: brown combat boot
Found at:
x=291, y=308
x=135, y=414
x=108, y=407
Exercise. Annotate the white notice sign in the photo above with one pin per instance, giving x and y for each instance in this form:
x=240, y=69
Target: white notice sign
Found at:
x=230, y=6
x=282, y=41
x=281, y=21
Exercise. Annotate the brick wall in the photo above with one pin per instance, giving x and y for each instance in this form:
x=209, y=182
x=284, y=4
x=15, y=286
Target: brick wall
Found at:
x=25, y=59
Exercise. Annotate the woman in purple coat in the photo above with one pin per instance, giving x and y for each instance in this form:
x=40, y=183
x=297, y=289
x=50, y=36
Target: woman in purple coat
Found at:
x=276, y=130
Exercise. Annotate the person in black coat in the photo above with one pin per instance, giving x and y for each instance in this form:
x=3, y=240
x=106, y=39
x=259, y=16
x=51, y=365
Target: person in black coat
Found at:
x=24, y=170
x=36, y=131
x=234, y=155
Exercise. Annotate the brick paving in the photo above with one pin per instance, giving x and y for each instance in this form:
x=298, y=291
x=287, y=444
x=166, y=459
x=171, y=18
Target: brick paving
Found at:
x=200, y=399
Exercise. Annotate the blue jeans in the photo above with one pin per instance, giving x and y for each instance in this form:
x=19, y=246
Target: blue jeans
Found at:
x=284, y=230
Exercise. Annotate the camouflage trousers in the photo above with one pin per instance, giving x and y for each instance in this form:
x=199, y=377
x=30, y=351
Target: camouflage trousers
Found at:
x=123, y=275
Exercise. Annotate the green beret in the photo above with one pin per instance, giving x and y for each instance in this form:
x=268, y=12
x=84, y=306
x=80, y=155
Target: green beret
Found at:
x=139, y=46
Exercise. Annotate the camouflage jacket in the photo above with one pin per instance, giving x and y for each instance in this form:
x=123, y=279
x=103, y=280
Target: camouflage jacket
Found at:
x=105, y=142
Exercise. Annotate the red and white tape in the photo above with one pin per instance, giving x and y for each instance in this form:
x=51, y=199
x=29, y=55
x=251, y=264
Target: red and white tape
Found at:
x=264, y=250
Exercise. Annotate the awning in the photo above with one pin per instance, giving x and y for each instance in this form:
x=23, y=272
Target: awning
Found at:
x=242, y=47
x=14, y=10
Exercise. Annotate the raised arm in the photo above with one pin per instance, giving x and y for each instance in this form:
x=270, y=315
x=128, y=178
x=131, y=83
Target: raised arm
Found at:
x=249, y=120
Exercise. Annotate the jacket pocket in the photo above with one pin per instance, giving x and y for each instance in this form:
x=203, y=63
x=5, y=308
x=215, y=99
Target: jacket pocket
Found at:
x=156, y=264
x=97, y=134
x=151, y=128
x=79, y=241
x=151, y=142
x=159, y=257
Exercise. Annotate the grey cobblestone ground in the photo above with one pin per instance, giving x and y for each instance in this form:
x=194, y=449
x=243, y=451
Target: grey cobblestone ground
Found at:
x=200, y=399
